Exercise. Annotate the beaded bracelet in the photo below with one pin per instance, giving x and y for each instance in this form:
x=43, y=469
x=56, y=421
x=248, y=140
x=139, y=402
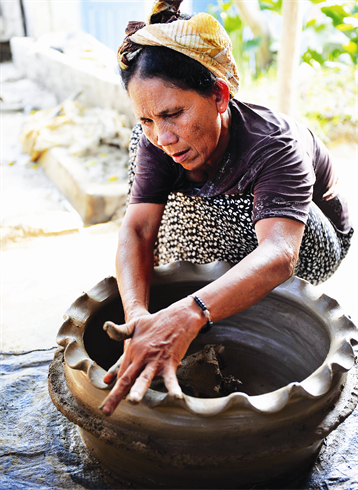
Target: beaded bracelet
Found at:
x=206, y=312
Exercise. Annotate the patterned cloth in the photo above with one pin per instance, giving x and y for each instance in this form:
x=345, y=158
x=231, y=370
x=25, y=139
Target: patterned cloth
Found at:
x=204, y=229
x=202, y=38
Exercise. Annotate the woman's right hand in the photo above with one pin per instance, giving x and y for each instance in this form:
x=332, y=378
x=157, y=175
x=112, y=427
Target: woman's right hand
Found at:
x=158, y=343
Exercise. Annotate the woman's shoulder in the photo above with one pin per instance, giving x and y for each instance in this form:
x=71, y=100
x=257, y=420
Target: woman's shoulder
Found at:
x=258, y=130
x=264, y=120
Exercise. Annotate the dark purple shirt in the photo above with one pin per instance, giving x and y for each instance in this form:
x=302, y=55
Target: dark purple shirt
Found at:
x=271, y=156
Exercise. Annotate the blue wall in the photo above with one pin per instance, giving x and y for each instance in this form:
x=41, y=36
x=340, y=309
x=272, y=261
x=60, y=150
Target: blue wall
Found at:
x=106, y=20
x=202, y=5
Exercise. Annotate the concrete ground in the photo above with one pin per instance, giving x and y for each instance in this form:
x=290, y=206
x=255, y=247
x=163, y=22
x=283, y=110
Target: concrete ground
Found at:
x=48, y=258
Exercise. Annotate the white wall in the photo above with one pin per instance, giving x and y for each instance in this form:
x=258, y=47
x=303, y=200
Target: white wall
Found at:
x=10, y=20
x=52, y=15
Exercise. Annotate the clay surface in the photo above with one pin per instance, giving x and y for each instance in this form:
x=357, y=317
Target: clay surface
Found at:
x=201, y=374
x=292, y=352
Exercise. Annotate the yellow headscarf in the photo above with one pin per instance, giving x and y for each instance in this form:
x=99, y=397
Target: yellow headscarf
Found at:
x=202, y=38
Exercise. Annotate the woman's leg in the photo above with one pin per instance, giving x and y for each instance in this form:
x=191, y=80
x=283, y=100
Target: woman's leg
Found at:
x=323, y=248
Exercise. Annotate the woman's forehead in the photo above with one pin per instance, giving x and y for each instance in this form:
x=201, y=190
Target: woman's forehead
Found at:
x=154, y=95
x=155, y=84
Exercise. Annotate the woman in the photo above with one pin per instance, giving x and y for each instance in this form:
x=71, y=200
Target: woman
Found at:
x=215, y=179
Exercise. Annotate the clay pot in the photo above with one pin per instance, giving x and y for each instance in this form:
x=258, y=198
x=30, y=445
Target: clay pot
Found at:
x=292, y=351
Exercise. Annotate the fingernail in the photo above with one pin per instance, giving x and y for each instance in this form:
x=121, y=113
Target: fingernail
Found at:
x=105, y=410
x=178, y=395
x=134, y=397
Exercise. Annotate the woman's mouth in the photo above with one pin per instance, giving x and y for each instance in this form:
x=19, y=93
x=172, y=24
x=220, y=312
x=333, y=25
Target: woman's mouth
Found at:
x=180, y=156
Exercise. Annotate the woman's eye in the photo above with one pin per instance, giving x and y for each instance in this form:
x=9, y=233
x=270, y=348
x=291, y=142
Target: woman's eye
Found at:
x=173, y=115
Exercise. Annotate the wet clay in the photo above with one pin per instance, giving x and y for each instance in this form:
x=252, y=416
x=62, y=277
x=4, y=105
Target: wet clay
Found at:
x=292, y=351
x=200, y=374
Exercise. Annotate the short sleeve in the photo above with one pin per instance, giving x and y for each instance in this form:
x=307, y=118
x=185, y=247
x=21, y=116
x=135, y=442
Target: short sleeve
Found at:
x=155, y=175
x=284, y=186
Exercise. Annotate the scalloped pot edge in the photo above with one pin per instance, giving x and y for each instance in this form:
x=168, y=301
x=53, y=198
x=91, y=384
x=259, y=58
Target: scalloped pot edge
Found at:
x=340, y=358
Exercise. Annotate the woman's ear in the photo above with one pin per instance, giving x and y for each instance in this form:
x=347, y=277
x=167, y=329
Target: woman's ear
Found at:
x=222, y=95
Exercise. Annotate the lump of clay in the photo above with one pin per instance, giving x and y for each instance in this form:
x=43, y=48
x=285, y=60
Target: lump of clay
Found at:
x=200, y=374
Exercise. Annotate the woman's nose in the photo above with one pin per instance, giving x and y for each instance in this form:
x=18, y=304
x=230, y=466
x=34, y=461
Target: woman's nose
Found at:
x=166, y=137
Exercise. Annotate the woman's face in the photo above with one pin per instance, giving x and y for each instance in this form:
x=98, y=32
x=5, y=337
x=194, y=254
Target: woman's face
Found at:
x=185, y=125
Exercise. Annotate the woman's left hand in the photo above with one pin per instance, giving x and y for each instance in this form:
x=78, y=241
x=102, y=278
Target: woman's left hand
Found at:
x=158, y=343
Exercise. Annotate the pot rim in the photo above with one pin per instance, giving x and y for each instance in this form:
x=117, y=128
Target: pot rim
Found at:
x=339, y=360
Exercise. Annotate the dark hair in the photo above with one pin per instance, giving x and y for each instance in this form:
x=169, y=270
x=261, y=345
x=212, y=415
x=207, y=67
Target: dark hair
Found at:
x=173, y=67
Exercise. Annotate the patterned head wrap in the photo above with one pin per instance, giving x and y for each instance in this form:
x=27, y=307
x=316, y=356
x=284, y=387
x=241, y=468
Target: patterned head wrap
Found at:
x=201, y=37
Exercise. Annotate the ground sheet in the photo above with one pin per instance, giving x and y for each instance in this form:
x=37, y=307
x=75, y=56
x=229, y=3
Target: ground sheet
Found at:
x=41, y=449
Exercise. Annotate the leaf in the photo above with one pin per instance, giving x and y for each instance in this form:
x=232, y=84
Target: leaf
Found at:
x=311, y=23
x=274, y=5
x=113, y=178
x=345, y=27
x=336, y=12
x=226, y=6
x=313, y=55
x=232, y=24
x=351, y=48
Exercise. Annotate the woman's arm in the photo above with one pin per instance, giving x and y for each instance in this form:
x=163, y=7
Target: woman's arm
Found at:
x=134, y=261
x=134, y=267
x=161, y=340
x=269, y=265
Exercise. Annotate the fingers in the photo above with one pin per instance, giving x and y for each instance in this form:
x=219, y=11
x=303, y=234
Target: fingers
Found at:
x=171, y=382
x=112, y=371
x=118, y=332
x=142, y=383
x=119, y=391
x=111, y=327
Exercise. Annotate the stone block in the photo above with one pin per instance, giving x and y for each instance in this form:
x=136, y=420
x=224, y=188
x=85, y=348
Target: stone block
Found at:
x=65, y=75
x=95, y=203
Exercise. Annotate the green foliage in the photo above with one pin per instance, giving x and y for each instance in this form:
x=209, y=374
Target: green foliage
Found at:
x=330, y=31
x=333, y=36
x=273, y=5
x=326, y=99
x=328, y=94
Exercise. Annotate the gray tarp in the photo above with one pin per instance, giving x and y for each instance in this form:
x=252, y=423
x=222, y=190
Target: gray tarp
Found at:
x=41, y=449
